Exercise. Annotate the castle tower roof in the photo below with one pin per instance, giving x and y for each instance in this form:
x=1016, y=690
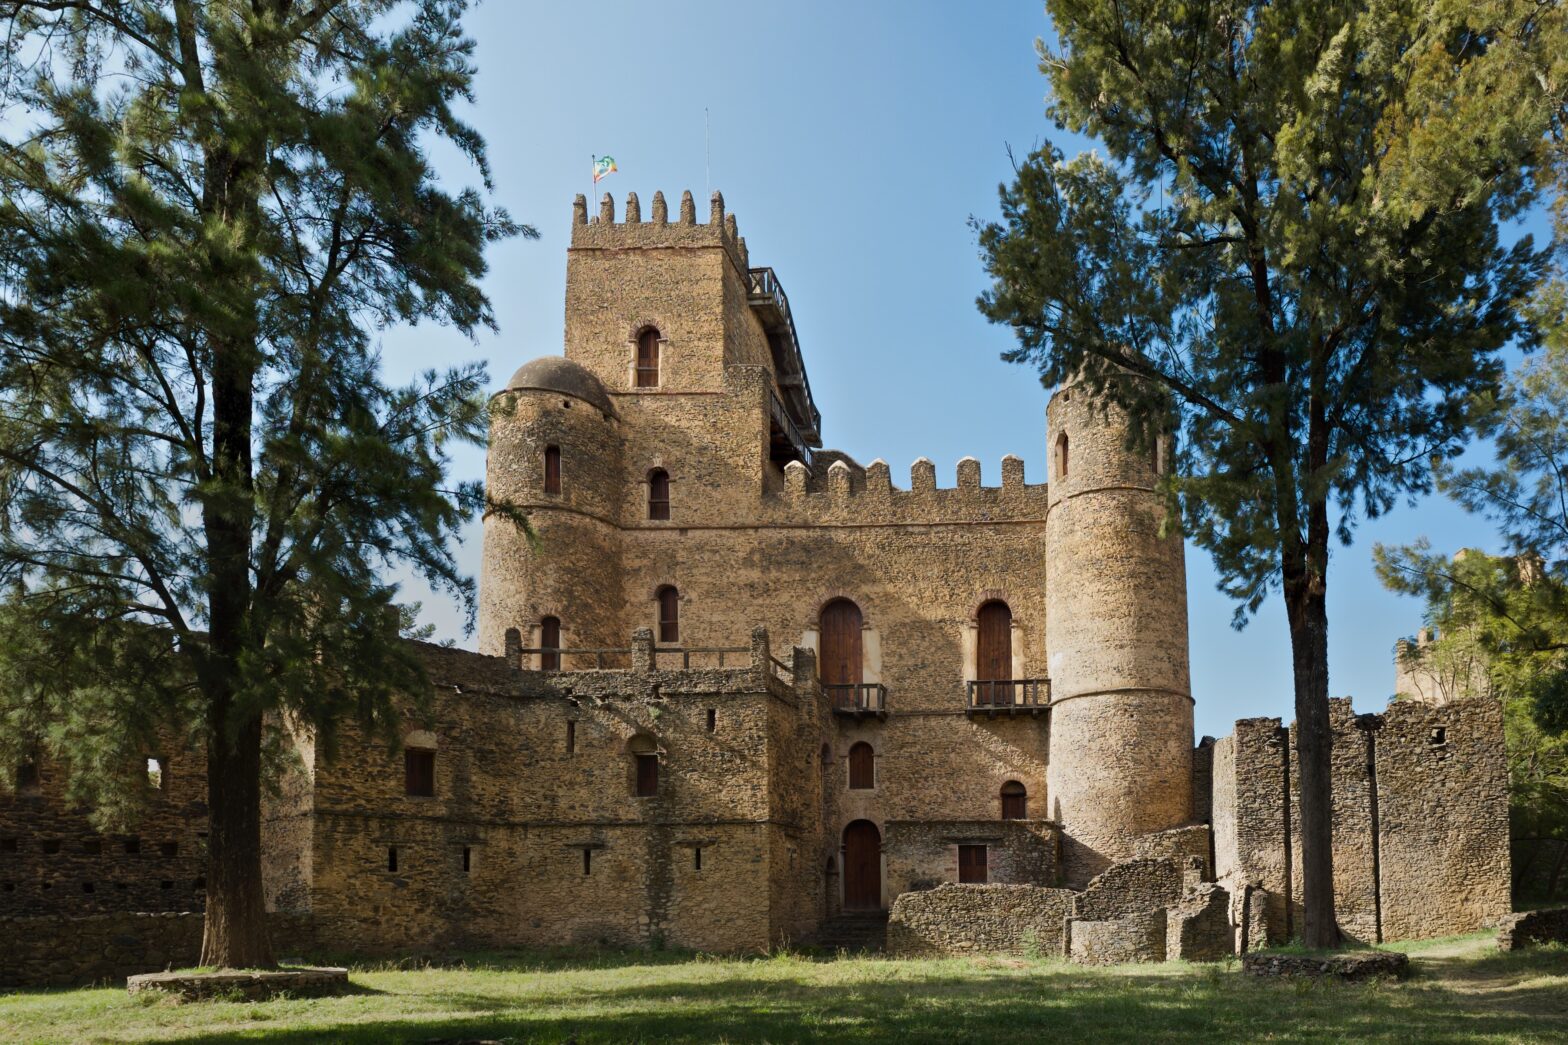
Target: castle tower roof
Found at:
x=559, y=374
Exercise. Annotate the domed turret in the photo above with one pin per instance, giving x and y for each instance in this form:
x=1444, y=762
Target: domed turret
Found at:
x=555, y=453
x=1116, y=631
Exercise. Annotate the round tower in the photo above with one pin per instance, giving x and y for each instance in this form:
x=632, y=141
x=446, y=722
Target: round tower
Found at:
x=1116, y=634
x=555, y=453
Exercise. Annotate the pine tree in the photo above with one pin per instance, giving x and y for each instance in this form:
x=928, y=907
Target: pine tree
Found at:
x=1292, y=238
x=207, y=210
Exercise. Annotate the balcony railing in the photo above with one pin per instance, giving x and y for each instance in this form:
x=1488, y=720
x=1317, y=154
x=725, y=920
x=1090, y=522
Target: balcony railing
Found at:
x=685, y=652
x=1009, y=696
x=857, y=698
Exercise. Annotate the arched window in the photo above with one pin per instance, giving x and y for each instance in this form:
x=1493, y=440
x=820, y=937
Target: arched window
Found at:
x=658, y=494
x=645, y=760
x=552, y=469
x=994, y=653
x=862, y=767
x=648, y=359
x=419, y=772
x=840, y=661
x=1015, y=801
x=669, y=600
x=550, y=640
x=1061, y=456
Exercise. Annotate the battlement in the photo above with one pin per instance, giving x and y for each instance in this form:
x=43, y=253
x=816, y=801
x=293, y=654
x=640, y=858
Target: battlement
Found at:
x=602, y=231
x=844, y=491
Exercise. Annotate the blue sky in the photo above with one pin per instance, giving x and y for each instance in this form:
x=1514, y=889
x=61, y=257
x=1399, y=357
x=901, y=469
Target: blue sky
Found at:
x=852, y=141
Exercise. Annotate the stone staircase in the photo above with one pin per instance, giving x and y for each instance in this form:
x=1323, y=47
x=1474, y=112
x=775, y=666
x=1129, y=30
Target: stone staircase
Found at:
x=854, y=931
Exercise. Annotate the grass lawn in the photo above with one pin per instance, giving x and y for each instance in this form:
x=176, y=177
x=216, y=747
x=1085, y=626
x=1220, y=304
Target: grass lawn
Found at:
x=1460, y=990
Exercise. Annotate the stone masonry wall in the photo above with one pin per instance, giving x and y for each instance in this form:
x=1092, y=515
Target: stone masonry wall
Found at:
x=964, y=919
x=1129, y=887
x=923, y=854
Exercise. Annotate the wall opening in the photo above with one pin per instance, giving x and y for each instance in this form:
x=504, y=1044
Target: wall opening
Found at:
x=659, y=494
x=648, y=359
x=133, y=845
x=994, y=654
x=552, y=469
x=169, y=849
x=645, y=766
x=862, y=767
x=1015, y=801
x=669, y=600
x=697, y=858
x=92, y=846
x=1061, y=456
x=51, y=846
x=841, y=663
x=392, y=858
x=972, y=867
x=419, y=772
x=468, y=859
x=713, y=719
x=587, y=861
x=157, y=776
x=27, y=776
x=550, y=643
x=571, y=736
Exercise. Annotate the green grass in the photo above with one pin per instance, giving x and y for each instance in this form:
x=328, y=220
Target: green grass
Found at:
x=1461, y=990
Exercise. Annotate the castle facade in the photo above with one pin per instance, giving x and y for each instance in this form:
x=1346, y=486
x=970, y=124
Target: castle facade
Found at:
x=734, y=688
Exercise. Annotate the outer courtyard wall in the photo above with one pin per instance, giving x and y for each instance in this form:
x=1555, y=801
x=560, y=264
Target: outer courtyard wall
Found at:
x=923, y=854
x=1443, y=813
x=1116, y=628
x=1352, y=819
x=54, y=861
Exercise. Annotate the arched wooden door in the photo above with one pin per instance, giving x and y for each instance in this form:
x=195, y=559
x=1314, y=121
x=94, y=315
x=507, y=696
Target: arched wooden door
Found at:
x=841, y=655
x=994, y=653
x=862, y=866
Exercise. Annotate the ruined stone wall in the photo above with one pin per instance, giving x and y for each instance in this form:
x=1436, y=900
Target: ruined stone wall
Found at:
x=1251, y=839
x=1442, y=779
x=54, y=861
x=923, y=854
x=1129, y=887
x=1352, y=820
x=969, y=919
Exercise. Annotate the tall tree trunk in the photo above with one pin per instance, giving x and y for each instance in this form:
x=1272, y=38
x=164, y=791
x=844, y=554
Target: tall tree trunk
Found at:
x=1306, y=612
x=234, y=934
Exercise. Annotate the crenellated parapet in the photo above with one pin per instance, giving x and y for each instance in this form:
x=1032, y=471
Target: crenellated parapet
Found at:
x=845, y=493
x=603, y=231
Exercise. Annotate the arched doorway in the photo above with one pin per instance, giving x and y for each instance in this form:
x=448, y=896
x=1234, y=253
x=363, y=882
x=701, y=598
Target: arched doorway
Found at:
x=994, y=653
x=840, y=662
x=862, y=866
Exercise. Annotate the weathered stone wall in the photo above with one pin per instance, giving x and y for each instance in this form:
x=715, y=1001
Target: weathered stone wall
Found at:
x=923, y=854
x=1442, y=779
x=1530, y=928
x=1129, y=887
x=54, y=861
x=1116, y=941
x=57, y=950
x=963, y=919
x=1352, y=820
x=1198, y=927
x=1180, y=845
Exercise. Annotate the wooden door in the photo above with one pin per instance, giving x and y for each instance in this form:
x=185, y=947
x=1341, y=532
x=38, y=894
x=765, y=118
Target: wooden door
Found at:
x=972, y=864
x=994, y=653
x=550, y=639
x=862, y=866
x=841, y=656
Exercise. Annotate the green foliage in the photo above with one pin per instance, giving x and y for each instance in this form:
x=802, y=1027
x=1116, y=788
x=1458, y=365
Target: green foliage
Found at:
x=207, y=211
x=1287, y=233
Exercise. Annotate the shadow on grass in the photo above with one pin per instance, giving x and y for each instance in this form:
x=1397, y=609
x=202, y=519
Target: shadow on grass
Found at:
x=1045, y=1003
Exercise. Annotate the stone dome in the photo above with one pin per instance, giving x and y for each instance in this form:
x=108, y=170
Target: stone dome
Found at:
x=559, y=374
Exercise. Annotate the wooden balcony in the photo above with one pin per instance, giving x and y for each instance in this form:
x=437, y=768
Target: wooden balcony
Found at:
x=858, y=699
x=1008, y=697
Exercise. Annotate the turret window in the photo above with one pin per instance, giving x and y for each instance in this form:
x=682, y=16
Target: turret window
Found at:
x=550, y=643
x=669, y=600
x=648, y=359
x=658, y=494
x=1061, y=456
x=552, y=469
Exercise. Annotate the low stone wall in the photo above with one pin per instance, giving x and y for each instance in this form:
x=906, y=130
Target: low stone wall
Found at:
x=1130, y=887
x=1533, y=927
x=64, y=951
x=1345, y=965
x=963, y=919
x=1198, y=929
x=1180, y=845
x=1136, y=937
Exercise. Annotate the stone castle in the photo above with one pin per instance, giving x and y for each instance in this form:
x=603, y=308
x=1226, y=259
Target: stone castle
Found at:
x=738, y=690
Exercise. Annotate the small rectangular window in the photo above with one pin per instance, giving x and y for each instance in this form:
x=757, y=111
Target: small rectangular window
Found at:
x=133, y=845
x=51, y=845
x=972, y=864
x=697, y=856
x=392, y=858
x=552, y=469
x=587, y=861
x=92, y=846
x=468, y=859
x=419, y=772
x=169, y=849
x=571, y=736
x=713, y=719
x=156, y=777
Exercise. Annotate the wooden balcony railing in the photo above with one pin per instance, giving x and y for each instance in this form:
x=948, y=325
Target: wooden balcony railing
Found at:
x=1009, y=696
x=858, y=698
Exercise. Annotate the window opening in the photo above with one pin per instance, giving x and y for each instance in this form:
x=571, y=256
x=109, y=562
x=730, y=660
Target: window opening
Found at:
x=669, y=613
x=571, y=736
x=1015, y=801
x=419, y=772
x=392, y=858
x=862, y=767
x=648, y=359
x=972, y=864
x=552, y=469
x=550, y=641
x=658, y=494
x=713, y=719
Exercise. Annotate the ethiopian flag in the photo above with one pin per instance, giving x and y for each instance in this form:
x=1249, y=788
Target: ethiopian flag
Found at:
x=603, y=167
